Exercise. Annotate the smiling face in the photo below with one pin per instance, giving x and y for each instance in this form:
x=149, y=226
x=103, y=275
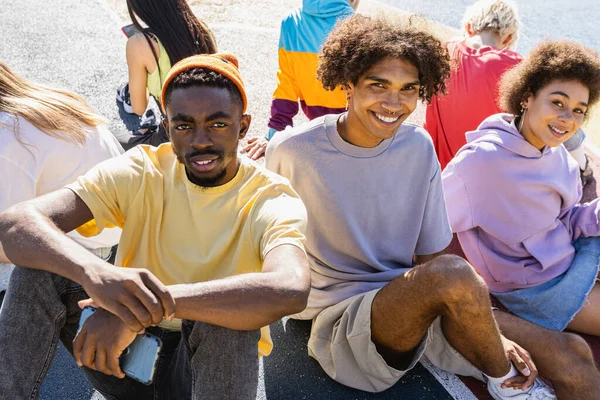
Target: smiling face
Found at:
x=555, y=113
x=205, y=125
x=379, y=102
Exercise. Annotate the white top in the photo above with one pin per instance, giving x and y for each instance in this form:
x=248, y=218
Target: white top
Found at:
x=40, y=164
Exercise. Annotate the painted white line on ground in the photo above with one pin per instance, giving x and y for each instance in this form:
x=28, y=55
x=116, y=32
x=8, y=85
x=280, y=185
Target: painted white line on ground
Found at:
x=97, y=396
x=454, y=386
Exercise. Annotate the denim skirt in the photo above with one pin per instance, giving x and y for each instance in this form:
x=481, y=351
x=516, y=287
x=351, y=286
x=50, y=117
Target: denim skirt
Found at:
x=555, y=303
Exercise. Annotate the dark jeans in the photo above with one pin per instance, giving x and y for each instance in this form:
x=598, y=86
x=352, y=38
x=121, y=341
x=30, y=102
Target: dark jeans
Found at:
x=154, y=137
x=204, y=361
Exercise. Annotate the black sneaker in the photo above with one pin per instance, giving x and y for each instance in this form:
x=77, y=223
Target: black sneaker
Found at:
x=124, y=98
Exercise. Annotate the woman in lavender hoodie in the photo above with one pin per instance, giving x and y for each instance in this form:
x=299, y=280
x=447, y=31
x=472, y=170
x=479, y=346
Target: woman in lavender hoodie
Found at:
x=512, y=193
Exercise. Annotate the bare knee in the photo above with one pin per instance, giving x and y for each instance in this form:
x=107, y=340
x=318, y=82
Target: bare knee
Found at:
x=577, y=349
x=456, y=280
x=573, y=363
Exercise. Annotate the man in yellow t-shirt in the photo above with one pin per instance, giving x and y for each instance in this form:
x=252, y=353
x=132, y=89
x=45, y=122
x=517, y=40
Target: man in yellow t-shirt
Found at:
x=212, y=253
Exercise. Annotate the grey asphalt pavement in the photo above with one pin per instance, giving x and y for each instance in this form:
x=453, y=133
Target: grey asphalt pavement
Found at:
x=78, y=45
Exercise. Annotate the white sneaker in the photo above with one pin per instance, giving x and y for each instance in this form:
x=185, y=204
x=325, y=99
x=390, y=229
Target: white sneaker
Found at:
x=537, y=391
x=124, y=98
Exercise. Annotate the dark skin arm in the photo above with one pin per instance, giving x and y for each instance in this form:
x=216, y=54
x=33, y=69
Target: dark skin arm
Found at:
x=253, y=300
x=32, y=234
x=244, y=302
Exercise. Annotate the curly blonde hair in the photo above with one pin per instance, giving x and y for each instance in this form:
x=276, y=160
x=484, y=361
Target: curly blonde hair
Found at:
x=547, y=62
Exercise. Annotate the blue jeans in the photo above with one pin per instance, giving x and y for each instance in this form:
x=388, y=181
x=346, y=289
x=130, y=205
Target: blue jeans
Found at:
x=203, y=361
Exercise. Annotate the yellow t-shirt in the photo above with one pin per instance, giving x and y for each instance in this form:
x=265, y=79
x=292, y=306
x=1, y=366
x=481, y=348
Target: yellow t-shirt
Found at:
x=185, y=233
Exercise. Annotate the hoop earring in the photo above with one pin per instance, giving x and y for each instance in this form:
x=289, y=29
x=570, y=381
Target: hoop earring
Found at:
x=347, y=101
x=521, y=119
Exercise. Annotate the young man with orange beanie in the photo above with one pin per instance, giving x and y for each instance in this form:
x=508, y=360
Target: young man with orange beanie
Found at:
x=212, y=250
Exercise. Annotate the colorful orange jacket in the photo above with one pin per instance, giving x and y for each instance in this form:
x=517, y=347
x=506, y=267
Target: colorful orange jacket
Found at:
x=302, y=34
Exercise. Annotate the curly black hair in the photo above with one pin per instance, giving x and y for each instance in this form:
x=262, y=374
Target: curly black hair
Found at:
x=358, y=43
x=202, y=77
x=547, y=62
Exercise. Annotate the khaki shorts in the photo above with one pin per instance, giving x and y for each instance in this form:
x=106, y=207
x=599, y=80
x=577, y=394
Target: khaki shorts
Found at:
x=340, y=341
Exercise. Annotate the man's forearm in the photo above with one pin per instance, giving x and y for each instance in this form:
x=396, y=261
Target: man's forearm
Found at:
x=244, y=302
x=30, y=239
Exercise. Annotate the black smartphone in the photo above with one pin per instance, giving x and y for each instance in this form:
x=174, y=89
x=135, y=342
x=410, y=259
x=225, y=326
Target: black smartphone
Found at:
x=138, y=361
x=129, y=30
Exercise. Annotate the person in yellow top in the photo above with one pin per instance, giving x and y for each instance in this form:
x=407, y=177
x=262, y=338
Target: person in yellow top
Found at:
x=209, y=238
x=164, y=32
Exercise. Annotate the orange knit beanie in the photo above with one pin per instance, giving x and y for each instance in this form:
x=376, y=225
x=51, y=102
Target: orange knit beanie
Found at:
x=224, y=63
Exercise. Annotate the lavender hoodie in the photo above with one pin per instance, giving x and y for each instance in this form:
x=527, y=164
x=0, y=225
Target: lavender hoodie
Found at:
x=514, y=207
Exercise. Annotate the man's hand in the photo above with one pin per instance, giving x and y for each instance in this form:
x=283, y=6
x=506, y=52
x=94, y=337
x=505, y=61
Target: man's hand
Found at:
x=134, y=295
x=256, y=147
x=523, y=362
x=101, y=341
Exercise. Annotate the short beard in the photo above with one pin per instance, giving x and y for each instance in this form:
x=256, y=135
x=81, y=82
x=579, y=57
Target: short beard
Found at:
x=205, y=182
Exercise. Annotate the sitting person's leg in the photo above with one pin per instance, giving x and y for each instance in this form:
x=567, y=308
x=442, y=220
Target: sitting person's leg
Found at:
x=213, y=362
x=151, y=131
x=563, y=358
x=39, y=308
x=113, y=388
x=587, y=319
x=370, y=340
x=445, y=287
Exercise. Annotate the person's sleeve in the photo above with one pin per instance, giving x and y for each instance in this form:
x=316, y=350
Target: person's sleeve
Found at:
x=435, y=234
x=279, y=218
x=270, y=133
x=583, y=220
x=108, y=189
x=19, y=185
x=273, y=154
x=284, y=105
x=458, y=203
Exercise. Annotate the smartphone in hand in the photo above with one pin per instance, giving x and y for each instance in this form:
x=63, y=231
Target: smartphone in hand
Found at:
x=138, y=361
x=129, y=30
